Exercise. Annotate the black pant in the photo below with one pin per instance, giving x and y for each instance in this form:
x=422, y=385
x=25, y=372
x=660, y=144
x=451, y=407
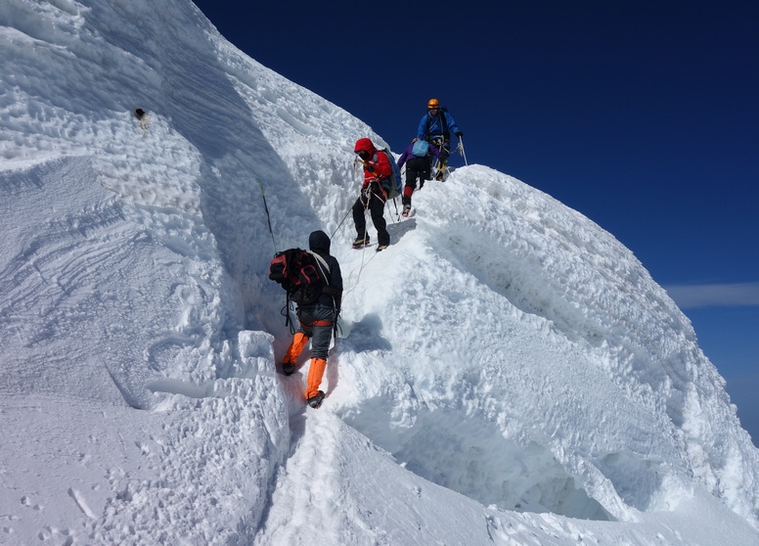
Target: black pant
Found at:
x=376, y=206
x=416, y=168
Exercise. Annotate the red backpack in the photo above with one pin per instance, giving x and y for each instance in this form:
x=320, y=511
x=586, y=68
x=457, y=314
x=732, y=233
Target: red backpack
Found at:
x=302, y=274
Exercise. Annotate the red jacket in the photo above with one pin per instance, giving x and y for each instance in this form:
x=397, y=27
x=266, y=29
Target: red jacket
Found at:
x=377, y=167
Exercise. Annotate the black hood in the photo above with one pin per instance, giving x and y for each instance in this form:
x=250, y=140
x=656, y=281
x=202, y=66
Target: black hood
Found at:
x=319, y=242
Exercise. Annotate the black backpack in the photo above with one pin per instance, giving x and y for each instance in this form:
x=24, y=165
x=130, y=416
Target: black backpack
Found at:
x=301, y=273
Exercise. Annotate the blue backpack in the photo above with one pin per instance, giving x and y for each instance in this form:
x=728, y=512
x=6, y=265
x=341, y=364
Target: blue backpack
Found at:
x=396, y=182
x=421, y=148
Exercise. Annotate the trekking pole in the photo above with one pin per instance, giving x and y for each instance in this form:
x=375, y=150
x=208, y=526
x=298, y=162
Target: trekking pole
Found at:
x=402, y=172
x=268, y=217
x=461, y=149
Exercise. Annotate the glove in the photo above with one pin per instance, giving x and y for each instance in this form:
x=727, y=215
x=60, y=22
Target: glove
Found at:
x=369, y=168
x=459, y=134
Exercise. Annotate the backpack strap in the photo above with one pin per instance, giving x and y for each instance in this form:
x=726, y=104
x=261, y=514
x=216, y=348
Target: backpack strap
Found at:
x=323, y=265
x=375, y=158
x=286, y=313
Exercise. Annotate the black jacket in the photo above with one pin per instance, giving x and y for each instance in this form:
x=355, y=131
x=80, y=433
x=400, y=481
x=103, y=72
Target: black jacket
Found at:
x=319, y=243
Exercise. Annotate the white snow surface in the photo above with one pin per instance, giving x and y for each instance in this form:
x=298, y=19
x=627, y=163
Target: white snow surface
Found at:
x=507, y=373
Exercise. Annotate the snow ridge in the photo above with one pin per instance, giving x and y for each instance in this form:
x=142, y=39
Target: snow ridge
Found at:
x=507, y=372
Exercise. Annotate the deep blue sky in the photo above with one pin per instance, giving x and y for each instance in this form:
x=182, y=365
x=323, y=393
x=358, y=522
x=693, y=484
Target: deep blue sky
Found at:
x=642, y=115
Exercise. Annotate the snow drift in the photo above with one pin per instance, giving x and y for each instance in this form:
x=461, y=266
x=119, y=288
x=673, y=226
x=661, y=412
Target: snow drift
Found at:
x=507, y=371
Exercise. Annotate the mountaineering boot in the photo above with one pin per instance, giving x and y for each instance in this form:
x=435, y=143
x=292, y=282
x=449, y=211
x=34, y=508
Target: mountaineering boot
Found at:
x=316, y=401
x=381, y=247
x=406, y=210
x=288, y=368
x=361, y=242
x=315, y=374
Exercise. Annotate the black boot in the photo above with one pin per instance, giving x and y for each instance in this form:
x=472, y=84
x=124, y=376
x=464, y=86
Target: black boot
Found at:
x=361, y=242
x=316, y=401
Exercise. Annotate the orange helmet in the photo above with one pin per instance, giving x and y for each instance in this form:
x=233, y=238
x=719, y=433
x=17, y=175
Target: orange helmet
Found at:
x=432, y=103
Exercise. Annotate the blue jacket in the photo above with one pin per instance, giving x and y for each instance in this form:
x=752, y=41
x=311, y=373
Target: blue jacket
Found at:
x=441, y=124
x=408, y=154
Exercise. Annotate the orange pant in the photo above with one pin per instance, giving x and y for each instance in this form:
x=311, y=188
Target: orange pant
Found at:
x=315, y=374
x=318, y=365
x=296, y=347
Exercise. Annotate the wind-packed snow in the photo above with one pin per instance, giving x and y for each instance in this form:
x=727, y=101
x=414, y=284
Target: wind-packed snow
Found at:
x=507, y=372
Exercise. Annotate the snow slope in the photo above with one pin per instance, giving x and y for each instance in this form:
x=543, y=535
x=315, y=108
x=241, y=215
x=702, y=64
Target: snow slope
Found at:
x=507, y=372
